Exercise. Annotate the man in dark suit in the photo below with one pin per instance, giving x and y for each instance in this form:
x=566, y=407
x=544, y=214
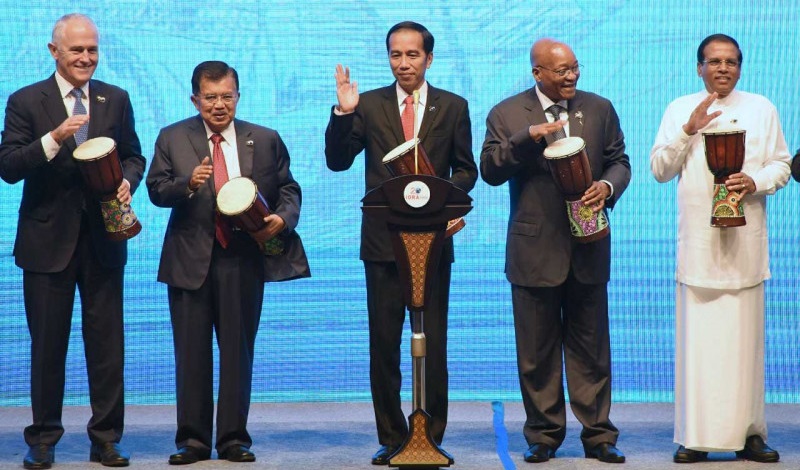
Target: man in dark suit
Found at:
x=372, y=122
x=61, y=240
x=216, y=274
x=558, y=286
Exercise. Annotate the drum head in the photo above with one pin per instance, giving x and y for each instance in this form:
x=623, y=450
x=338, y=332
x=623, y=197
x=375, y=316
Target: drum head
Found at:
x=564, y=147
x=236, y=196
x=724, y=130
x=94, y=148
x=399, y=150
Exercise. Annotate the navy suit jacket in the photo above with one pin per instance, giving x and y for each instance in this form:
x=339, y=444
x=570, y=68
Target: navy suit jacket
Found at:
x=539, y=246
x=189, y=239
x=375, y=128
x=54, y=195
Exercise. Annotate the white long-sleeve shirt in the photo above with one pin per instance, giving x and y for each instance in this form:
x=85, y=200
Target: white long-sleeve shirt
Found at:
x=712, y=257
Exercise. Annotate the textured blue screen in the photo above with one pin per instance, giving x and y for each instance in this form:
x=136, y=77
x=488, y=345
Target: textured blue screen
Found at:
x=312, y=345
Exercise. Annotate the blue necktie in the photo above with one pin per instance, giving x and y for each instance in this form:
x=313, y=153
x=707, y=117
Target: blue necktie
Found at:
x=555, y=111
x=83, y=132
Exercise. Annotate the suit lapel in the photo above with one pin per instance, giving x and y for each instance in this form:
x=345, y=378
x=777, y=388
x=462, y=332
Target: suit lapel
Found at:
x=431, y=112
x=53, y=104
x=534, y=108
x=392, y=112
x=198, y=139
x=245, y=148
x=576, y=118
x=98, y=109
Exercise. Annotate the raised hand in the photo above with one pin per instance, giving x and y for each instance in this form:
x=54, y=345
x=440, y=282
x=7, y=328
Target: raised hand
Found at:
x=201, y=174
x=69, y=127
x=700, y=117
x=540, y=130
x=346, y=91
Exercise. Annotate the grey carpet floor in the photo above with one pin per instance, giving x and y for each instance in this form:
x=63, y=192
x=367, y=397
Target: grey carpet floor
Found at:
x=341, y=436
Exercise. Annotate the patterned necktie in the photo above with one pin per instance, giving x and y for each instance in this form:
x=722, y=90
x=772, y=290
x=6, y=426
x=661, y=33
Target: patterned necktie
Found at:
x=222, y=228
x=83, y=133
x=407, y=118
x=555, y=111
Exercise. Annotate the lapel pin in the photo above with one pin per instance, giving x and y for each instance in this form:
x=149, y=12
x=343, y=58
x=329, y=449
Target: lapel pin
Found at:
x=249, y=143
x=432, y=109
x=101, y=99
x=579, y=117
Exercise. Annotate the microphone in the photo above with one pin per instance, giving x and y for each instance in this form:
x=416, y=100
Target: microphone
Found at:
x=416, y=139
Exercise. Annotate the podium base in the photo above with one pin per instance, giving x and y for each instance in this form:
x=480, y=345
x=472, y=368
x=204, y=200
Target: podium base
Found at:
x=419, y=451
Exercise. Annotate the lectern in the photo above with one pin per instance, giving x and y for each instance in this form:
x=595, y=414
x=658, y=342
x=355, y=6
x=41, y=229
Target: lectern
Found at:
x=417, y=209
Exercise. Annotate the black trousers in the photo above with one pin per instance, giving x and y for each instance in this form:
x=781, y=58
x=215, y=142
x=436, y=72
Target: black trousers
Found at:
x=49, y=300
x=229, y=304
x=387, y=313
x=570, y=319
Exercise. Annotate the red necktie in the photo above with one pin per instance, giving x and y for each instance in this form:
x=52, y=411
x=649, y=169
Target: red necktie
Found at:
x=407, y=118
x=222, y=229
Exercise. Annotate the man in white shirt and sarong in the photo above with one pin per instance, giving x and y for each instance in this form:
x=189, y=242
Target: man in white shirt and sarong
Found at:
x=719, y=340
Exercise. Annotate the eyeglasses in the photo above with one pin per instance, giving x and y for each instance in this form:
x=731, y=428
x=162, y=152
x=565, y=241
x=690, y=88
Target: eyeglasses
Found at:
x=717, y=63
x=212, y=99
x=576, y=69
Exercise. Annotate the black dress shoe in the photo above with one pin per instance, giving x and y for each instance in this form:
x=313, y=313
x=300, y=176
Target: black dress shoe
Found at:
x=187, y=455
x=109, y=454
x=757, y=450
x=684, y=455
x=538, y=452
x=39, y=456
x=237, y=453
x=605, y=452
x=382, y=456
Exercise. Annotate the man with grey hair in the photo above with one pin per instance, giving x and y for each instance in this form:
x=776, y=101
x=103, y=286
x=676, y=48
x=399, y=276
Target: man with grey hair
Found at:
x=61, y=240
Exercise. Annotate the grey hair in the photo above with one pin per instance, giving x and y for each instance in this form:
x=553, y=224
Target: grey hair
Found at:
x=61, y=24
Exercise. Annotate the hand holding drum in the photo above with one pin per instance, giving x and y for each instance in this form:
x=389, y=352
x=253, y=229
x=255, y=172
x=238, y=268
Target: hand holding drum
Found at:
x=570, y=168
x=99, y=165
x=400, y=161
x=724, y=149
x=240, y=200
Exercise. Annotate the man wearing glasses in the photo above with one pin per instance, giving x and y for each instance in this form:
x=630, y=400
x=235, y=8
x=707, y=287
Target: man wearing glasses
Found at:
x=720, y=272
x=61, y=239
x=558, y=286
x=215, y=274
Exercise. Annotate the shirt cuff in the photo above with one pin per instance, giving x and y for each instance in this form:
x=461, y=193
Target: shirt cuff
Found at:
x=611, y=186
x=339, y=112
x=50, y=146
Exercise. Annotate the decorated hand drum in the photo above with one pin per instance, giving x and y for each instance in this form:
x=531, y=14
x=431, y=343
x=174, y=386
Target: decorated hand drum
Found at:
x=725, y=156
x=99, y=165
x=240, y=201
x=400, y=161
x=570, y=168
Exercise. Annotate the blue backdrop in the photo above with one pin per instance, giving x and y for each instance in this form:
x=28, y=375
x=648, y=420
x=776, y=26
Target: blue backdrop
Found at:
x=312, y=345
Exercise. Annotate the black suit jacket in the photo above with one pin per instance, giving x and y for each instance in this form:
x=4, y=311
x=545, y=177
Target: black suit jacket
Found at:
x=54, y=194
x=540, y=249
x=189, y=239
x=375, y=127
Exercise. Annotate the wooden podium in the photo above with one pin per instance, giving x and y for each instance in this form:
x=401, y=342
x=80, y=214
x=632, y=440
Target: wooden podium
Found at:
x=417, y=209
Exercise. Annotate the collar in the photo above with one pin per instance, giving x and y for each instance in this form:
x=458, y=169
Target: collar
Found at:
x=547, y=102
x=65, y=87
x=423, y=94
x=229, y=133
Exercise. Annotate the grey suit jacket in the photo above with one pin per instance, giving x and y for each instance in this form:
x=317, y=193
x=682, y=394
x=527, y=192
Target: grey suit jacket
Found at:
x=189, y=239
x=375, y=128
x=539, y=247
x=54, y=195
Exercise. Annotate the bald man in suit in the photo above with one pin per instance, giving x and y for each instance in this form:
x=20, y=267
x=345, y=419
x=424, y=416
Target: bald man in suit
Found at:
x=558, y=286
x=372, y=123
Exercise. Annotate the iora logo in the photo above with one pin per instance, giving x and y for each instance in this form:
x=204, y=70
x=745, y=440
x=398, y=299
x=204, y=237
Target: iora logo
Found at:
x=417, y=194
